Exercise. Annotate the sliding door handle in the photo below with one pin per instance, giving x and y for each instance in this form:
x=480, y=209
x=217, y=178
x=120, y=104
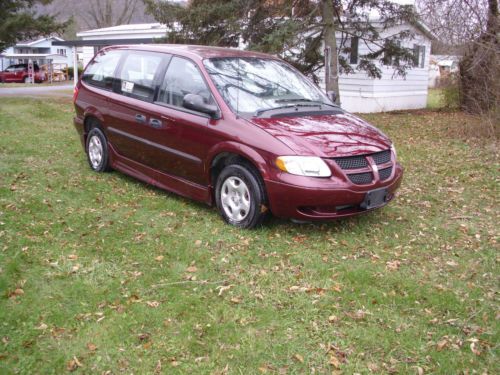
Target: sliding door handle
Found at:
x=155, y=123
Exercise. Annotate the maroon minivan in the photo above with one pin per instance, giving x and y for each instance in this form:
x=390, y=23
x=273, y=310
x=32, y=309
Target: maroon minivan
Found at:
x=243, y=130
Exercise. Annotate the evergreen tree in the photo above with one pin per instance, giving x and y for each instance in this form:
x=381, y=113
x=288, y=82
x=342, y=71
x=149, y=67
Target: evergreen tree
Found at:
x=19, y=21
x=297, y=30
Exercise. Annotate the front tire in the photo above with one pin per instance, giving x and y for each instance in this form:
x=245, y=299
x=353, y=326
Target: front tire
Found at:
x=240, y=196
x=27, y=79
x=97, y=150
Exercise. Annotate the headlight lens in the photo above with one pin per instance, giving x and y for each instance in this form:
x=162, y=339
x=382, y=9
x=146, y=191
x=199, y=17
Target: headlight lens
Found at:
x=393, y=148
x=311, y=166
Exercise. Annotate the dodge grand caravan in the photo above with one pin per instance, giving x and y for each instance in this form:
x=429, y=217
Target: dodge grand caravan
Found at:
x=242, y=130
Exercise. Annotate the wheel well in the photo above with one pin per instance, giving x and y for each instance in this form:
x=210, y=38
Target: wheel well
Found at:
x=226, y=158
x=89, y=123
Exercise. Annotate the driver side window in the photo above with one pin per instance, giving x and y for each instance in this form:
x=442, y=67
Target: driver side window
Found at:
x=182, y=78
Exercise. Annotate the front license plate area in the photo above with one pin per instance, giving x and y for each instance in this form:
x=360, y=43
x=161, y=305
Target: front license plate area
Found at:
x=375, y=198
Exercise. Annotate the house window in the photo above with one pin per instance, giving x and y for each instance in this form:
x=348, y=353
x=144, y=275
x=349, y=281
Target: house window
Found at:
x=353, y=58
x=61, y=51
x=419, y=55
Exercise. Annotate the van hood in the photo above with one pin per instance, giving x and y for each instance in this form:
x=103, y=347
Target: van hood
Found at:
x=329, y=135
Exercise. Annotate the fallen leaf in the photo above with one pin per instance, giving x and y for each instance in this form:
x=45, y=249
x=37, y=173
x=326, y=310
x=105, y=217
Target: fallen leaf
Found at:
x=394, y=265
x=159, y=258
x=334, y=361
x=73, y=364
x=153, y=304
x=442, y=344
x=42, y=326
x=143, y=336
x=73, y=257
x=223, y=288
x=298, y=358
x=474, y=349
x=191, y=269
x=91, y=347
x=332, y=319
x=197, y=243
x=235, y=300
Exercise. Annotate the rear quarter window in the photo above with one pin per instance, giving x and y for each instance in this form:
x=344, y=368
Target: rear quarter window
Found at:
x=100, y=72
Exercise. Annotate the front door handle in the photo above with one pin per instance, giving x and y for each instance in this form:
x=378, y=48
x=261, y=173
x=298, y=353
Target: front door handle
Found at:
x=155, y=123
x=141, y=119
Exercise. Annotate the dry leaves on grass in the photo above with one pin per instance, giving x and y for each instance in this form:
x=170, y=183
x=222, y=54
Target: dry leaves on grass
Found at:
x=73, y=364
x=393, y=265
x=153, y=304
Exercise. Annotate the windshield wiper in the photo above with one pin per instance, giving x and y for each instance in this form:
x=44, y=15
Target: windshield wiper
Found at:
x=293, y=100
x=262, y=110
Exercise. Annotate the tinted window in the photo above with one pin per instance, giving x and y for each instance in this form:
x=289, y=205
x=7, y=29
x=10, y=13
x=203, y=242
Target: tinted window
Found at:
x=182, y=78
x=100, y=72
x=138, y=74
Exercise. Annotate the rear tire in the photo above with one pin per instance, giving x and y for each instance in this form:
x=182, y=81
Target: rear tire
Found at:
x=240, y=196
x=97, y=150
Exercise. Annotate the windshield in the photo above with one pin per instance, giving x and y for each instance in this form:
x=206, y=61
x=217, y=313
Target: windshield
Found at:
x=252, y=85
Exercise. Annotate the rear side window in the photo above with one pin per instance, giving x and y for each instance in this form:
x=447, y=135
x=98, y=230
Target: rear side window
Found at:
x=137, y=75
x=182, y=78
x=100, y=72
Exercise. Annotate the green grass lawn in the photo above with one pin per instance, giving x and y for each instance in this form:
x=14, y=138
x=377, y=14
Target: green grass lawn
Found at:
x=435, y=98
x=99, y=272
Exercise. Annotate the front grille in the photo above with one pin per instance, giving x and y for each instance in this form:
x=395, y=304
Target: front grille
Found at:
x=385, y=173
x=361, y=178
x=382, y=157
x=352, y=162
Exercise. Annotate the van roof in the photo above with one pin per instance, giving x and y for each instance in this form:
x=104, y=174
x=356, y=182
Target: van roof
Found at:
x=202, y=52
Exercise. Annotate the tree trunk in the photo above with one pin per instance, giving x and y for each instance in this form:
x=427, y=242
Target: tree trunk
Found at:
x=480, y=69
x=331, y=71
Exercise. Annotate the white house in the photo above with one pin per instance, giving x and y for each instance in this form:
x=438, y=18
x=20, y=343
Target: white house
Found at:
x=358, y=92
x=40, y=51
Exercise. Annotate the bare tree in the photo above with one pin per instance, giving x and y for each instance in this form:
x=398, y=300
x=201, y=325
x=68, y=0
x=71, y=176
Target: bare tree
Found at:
x=455, y=22
x=471, y=28
x=106, y=13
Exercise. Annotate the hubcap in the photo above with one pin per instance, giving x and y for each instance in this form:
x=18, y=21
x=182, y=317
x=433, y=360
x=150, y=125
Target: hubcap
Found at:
x=95, y=151
x=235, y=198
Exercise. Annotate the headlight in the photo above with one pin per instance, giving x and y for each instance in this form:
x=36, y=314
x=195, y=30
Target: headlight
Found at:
x=393, y=148
x=304, y=166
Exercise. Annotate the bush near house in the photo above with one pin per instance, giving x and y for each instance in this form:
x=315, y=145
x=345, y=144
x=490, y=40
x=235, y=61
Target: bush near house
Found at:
x=101, y=273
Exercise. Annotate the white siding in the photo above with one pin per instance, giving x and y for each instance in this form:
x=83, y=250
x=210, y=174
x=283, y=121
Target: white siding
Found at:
x=360, y=93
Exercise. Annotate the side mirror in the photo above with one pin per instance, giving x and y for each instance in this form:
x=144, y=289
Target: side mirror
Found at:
x=332, y=95
x=195, y=102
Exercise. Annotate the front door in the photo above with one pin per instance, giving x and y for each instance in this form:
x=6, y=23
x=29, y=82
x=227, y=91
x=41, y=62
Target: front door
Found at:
x=184, y=136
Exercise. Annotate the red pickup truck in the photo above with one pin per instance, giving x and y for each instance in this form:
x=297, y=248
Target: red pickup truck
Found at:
x=19, y=73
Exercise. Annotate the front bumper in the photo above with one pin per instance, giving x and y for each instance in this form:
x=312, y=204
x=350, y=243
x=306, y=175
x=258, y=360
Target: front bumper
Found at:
x=326, y=200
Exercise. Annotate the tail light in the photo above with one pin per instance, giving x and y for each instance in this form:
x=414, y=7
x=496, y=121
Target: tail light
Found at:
x=75, y=94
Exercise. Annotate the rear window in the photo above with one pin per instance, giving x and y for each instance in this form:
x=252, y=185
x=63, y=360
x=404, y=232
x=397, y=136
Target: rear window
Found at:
x=100, y=72
x=137, y=75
